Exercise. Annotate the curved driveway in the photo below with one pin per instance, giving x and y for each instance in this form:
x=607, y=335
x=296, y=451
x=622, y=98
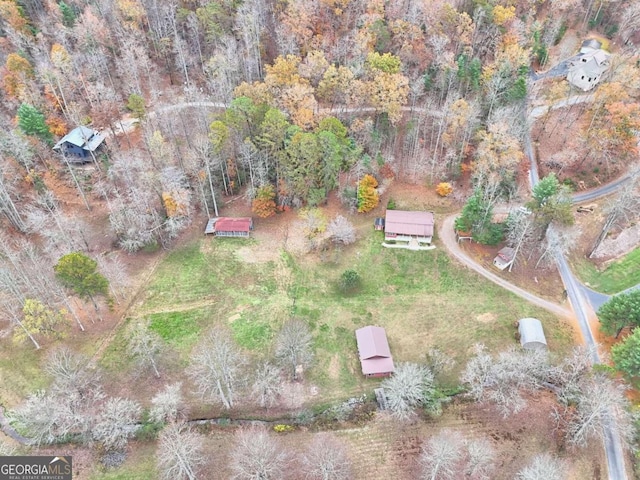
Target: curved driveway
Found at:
x=447, y=235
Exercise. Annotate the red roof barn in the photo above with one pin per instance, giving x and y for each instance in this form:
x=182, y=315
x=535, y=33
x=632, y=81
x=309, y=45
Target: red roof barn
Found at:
x=229, y=227
x=373, y=348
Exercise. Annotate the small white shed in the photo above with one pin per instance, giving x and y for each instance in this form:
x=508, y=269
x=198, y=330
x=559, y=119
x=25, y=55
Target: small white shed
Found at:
x=531, y=334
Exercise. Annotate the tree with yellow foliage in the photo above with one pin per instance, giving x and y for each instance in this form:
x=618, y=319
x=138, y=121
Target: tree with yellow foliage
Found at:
x=18, y=72
x=502, y=15
x=368, y=197
x=39, y=319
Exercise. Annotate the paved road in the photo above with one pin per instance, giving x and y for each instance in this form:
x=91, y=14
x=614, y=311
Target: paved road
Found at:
x=596, y=299
x=599, y=192
x=612, y=443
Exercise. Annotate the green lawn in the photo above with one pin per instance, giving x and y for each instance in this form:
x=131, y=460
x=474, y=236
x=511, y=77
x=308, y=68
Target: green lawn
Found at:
x=423, y=299
x=20, y=371
x=618, y=276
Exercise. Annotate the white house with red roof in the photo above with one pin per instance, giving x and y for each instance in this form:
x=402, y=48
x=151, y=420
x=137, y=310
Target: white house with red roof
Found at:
x=229, y=227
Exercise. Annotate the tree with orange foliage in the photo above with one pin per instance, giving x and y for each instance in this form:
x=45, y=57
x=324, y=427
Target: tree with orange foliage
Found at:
x=57, y=126
x=612, y=136
x=264, y=204
x=368, y=197
x=444, y=189
x=13, y=14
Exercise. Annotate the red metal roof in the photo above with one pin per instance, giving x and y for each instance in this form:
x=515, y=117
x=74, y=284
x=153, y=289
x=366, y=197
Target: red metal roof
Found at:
x=404, y=222
x=226, y=224
x=373, y=348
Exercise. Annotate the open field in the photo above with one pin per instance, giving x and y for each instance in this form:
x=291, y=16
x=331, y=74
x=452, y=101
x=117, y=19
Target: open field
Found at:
x=423, y=299
x=615, y=277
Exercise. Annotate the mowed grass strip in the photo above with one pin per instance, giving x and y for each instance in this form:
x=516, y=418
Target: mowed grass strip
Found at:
x=616, y=277
x=197, y=272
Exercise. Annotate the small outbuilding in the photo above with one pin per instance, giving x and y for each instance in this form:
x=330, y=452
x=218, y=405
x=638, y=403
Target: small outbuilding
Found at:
x=79, y=144
x=403, y=226
x=504, y=258
x=378, y=223
x=531, y=334
x=229, y=227
x=374, y=353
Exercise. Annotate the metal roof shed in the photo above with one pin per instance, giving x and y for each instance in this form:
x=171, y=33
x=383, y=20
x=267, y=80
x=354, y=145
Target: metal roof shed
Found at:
x=531, y=334
x=373, y=349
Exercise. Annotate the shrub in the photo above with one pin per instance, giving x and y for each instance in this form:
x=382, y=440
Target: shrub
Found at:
x=349, y=281
x=444, y=189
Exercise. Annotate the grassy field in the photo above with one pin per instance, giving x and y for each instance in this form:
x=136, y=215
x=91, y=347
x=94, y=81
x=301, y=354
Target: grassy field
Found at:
x=21, y=372
x=423, y=299
x=616, y=277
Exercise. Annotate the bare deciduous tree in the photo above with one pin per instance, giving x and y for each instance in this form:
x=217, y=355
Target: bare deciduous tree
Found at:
x=168, y=405
x=40, y=418
x=441, y=455
x=341, y=230
x=623, y=207
x=116, y=272
x=438, y=361
x=503, y=379
x=179, y=453
x=117, y=422
x=480, y=459
x=600, y=404
x=410, y=386
x=556, y=242
x=6, y=450
x=267, y=385
x=326, y=459
x=520, y=226
x=144, y=345
x=256, y=454
x=216, y=367
x=294, y=346
x=67, y=368
x=543, y=467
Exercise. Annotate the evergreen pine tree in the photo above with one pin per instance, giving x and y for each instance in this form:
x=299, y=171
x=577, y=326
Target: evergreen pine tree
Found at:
x=32, y=122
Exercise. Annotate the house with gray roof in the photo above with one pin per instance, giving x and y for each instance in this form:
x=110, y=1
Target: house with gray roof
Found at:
x=79, y=143
x=586, y=70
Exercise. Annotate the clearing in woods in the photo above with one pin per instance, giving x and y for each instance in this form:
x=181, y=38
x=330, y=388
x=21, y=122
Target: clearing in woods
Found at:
x=423, y=299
